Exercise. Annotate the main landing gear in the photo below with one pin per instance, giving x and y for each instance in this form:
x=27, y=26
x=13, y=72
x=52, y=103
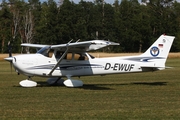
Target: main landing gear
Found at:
x=73, y=83
x=68, y=83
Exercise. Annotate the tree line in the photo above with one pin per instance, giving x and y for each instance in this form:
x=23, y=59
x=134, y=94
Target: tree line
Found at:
x=132, y=24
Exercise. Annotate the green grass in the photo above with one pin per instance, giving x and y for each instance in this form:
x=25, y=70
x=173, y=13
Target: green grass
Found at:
x=152, y=95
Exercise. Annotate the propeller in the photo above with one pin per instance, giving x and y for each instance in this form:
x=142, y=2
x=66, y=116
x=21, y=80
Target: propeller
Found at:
x=10, y=54
x=10, y=58
x=10, y=49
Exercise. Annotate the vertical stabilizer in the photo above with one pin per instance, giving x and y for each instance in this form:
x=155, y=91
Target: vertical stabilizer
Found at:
x=159, y=50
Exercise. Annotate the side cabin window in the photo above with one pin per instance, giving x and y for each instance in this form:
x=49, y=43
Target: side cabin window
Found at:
x=68, y=56
x=46, y=51
x=72, y=56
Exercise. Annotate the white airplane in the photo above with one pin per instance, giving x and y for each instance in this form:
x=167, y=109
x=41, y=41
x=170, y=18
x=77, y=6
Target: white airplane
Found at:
x=71, y=59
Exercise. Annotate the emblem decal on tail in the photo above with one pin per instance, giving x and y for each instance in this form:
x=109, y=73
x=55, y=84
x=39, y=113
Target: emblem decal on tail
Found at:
x=154, y=51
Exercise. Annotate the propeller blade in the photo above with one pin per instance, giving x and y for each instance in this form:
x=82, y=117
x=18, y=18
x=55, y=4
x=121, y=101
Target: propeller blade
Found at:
x=10, y=49
x=10, y=58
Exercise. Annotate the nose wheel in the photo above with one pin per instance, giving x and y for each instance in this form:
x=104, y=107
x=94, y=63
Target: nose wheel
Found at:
x=28, y=83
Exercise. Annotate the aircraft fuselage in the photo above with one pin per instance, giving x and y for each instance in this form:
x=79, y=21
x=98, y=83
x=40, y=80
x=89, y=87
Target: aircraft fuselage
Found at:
x=39, y=65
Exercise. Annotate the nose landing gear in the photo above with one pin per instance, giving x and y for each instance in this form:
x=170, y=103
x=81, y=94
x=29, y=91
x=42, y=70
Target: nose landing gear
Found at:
x=28, y=83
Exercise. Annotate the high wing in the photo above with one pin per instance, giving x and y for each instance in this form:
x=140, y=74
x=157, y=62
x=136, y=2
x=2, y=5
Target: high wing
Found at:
x=85, y=46
x=76, y=46
x=33, y=45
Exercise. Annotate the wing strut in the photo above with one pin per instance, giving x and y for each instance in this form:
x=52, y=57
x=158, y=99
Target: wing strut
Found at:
x=50, y=73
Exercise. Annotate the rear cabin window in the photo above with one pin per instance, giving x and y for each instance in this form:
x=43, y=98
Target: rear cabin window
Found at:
x=78, y=56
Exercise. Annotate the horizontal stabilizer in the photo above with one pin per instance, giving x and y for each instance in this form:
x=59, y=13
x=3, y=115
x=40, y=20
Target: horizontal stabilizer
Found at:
x=146, y=69
x=168, y=67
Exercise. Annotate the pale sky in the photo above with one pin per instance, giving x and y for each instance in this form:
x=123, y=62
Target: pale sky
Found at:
x=107, y=1
x=77, y=1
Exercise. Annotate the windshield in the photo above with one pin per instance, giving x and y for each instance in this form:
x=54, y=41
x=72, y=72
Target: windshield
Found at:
x=42, y=50
x=46, y=51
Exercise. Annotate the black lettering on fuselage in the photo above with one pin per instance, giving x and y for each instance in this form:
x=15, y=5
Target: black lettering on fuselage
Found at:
x=132, y=66
x=115, y=66
x=107, y=66
x=119, y=67
x=122, y=66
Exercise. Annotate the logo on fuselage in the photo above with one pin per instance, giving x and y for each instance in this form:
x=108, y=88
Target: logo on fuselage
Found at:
x=154, y=51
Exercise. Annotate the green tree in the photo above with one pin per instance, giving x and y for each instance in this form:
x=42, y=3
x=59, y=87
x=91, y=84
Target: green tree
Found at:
x=129, y=18
x=5, y=26
x=133, y=25
x=35, y=7
x=46, y=32
x=176, y=26
x=65, y=22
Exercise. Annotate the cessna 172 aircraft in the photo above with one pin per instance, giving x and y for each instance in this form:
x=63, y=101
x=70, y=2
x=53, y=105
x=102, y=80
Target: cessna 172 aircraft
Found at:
x=72, y=59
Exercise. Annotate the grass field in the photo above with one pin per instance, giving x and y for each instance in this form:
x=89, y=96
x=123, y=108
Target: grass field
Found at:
x=153, y=95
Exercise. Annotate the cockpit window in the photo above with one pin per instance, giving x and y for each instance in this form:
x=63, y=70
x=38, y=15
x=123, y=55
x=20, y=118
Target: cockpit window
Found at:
x=58, y=54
